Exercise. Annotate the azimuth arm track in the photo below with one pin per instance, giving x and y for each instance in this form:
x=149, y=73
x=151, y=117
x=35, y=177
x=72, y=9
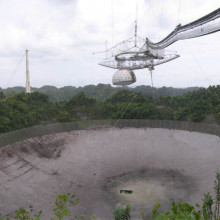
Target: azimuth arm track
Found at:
x=205, y=25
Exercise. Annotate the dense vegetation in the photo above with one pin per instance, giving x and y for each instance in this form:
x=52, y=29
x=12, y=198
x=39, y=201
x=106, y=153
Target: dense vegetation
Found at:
x=210, y=209
x=24, y=110
x=101, y=92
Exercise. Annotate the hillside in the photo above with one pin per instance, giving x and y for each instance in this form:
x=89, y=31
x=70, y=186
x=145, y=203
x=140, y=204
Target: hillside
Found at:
x=25, y=110
x=101, y=92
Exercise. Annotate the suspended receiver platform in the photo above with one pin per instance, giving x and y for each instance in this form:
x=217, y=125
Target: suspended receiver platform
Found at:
x=137, y=53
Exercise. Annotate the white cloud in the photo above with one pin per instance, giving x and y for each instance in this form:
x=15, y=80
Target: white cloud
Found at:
x=61, y=36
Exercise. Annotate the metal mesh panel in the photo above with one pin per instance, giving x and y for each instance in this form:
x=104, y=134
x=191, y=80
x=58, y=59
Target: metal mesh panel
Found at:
x=40, y=130
x=123, y=77
x=93, y=162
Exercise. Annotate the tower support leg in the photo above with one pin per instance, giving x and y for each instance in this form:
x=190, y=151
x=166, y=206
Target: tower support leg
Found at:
x=152, y=85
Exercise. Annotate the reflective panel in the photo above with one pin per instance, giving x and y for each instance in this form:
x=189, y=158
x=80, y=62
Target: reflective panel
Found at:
x=123, y=77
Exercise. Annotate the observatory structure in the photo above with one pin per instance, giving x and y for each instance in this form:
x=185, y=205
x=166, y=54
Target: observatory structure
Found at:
x=28, y=87
x=137, y=53
x=99, y=162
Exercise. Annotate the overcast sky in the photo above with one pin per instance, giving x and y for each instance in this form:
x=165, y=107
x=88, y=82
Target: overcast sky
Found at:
x=61, y=36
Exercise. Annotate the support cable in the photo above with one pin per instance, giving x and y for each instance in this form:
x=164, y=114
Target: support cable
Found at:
x=112, y=22
x=201, y=69
x=152, y=85
x=161, y=15
x=178, y=12
x=123, y=113
x=135, y=32
x=16, y=68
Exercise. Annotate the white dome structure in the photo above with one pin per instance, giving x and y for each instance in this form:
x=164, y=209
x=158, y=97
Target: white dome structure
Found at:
x=123, y=77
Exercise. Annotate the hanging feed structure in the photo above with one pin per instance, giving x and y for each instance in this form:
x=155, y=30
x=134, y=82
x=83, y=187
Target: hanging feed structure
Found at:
x=123, y=77
x=137, y=53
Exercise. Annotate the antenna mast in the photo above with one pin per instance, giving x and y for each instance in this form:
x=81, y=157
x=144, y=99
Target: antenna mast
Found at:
x=135, y=33
x=28, y=88
x=135, y=28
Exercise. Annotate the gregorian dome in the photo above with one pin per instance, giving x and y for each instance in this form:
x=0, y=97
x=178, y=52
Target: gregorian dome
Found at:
x=123, y=77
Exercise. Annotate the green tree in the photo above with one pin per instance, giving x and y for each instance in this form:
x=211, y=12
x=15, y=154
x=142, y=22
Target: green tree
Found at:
x=63, y=203
x=122, y=213
x=2, y=96
x=23, y=214
x=4, y=124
